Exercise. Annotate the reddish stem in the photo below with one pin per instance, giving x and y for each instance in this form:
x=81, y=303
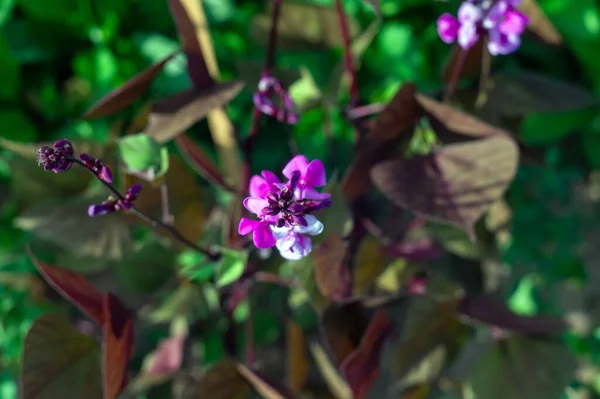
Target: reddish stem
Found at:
x=348, y=61
x=460, y=62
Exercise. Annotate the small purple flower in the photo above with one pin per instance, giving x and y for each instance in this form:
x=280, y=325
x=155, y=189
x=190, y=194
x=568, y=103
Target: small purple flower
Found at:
x=498, y=20
x=285, y=209
x=97, y=166
x=269, y=87
x=58, y=158
x=113, y=205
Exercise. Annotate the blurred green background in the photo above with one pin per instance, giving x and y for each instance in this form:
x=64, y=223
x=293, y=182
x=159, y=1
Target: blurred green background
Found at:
x=59, y=57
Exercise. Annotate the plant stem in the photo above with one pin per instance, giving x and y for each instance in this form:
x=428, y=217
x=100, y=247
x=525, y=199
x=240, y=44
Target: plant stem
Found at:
x=460, y=62
x=164, y=201
x=154, y=223
x=348, y=61
x=486, y=65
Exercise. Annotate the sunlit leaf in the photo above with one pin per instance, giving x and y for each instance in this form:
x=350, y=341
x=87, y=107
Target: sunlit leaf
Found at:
x=455, y=184
x=539, y=23
x=173, y=115
x=231, y=267
x=66, y=224
x=127, y=93
x=59, y=362
x=74, y=288
x=302, y=24
x=118, y=345
x=141, y=152
x=370, y=261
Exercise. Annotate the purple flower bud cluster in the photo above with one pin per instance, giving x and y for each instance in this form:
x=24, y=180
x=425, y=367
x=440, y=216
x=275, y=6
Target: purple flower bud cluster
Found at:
x=61, y=156
x=498, y=20
x=285, y=210
x=97, y=166
x=269, y=87
x=114, y=205
x=58, y=158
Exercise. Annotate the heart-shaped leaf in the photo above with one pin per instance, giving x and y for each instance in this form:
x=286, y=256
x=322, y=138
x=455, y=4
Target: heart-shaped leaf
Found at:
x=118, y=345
x=221, y=381
x=127, y=93
x=331, y=268
x=141, y=152
x=59, y=362
x=74, y=288
x=455, y=184
x=173, y=115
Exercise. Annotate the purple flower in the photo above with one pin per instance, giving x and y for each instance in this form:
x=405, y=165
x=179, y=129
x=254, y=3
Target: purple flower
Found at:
x=447, y=27
x=58, y=158
x=284, y=210
x=498, y=20
x=97, y=166
x=269, y=87
x=113, y=205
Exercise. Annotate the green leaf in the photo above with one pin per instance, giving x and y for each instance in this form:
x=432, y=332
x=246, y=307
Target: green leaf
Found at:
x=141, y=153
x=59, y=362
x=6, y=7
x=231, y=266
x=16, y=126
x=542, y=128
x=10, y=73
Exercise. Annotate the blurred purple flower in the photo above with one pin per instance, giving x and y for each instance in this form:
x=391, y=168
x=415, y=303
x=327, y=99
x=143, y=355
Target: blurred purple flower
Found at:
x=285, y=209
x=269, y=87
x=498, y=20
x=58, y=158
x=114, y=205
x=97, y=166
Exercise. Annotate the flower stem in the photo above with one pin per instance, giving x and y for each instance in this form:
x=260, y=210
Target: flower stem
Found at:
x=155, y=223
x=348, y=61
x=460, y=62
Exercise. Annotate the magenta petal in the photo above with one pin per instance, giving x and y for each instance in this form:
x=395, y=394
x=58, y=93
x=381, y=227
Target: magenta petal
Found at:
x=270, y=177
x=514, y=23
x=447, y=27
x=313, y=194
x=255, y=205
x=299, y=163
x=315, y=174
x=263, y=236
x=258, y=187
x=247, y=226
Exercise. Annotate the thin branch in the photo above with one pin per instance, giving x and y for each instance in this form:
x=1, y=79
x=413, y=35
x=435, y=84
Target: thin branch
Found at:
x=348, y=61
x=460, y=62
x=167, y=217
x=154, y=223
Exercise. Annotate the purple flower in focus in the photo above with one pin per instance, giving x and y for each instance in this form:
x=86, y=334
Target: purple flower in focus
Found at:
x=285, y=210
x=58, y=158
x=498, y=20
x=114, y=205
x=97, y=166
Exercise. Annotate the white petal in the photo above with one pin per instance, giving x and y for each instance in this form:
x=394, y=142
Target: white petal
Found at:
x=285, y=243
x=314, y=227
x=281, y=232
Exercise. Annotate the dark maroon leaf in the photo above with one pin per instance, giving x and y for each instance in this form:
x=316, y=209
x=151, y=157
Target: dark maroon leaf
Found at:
x=361, y=367
x=74, y=288
x=343, y=328
x=221, y=381
x=127, y=93
x=489, y=311
x=331, y=269
x=118, y=345
x=173, y=115
x=267, y=390
x=59, y=362
x=419, y=250
x=199, y=160
x=455, y=184
x=471, y=64
x=398, y=115
x=186, y=18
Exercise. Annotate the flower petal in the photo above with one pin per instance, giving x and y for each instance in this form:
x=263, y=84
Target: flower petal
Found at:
x=447, y=27
x=312, y=194
x=314, y=227
x=286, y=242
x=247, y=226
x=302, y=247
x=270, y=178
x=280, y=232
x=258, y=187
x=263, y=236
x=299, y=163
x=255, y=205
x=315, y=174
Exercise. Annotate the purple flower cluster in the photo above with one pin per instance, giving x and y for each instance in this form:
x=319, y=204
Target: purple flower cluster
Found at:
x=114, y=205
x=269, y=87
x=285, y=210
x=61, y=156
x=58, y=158
x=499, y=20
